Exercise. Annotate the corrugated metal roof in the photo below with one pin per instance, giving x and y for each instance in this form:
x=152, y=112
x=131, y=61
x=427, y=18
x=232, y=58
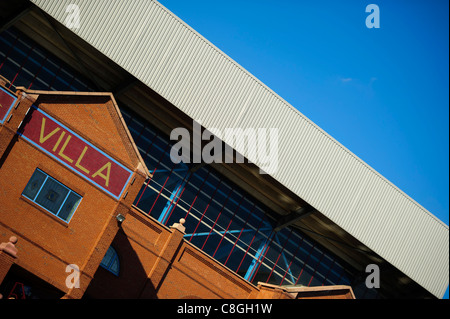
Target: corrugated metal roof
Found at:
x=159, y=49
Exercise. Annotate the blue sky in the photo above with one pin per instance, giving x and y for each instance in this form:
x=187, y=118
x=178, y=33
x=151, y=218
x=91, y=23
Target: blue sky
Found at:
x=382, y=93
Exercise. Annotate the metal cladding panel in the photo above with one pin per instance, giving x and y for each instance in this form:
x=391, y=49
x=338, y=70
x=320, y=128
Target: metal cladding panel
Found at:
x=164, y=53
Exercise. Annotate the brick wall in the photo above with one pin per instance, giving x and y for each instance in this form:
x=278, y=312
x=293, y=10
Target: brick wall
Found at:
x=47, y=244
x=156, y=262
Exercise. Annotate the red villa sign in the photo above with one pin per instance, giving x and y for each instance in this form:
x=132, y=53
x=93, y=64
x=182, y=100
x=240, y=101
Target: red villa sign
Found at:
x=75, y=152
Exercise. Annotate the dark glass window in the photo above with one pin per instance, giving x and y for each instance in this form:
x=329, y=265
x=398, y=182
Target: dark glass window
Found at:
x=111, y=261
x=50, y=194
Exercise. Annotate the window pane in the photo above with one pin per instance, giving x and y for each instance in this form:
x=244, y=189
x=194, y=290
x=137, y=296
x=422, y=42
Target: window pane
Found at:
x=34, y=184
x=52, y=195
x=69, y=206
x=114, y=268
x=111, y=261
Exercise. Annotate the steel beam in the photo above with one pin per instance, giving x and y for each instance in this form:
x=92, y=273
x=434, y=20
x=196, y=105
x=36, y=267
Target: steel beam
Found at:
x=294, y=217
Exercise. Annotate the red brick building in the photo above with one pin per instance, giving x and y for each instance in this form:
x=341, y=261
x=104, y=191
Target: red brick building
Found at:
x=70, y=138
x=47, y=241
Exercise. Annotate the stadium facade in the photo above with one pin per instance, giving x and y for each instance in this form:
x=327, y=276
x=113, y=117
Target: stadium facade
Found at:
x=92, y=91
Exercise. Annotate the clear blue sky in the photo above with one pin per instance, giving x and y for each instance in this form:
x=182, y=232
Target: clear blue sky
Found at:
x=383, y=93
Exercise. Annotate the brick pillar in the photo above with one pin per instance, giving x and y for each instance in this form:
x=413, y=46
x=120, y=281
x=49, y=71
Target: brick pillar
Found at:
x=87, y=271
x=9, y=128
x=164, y=261
x=6, y=136
x=8, y=255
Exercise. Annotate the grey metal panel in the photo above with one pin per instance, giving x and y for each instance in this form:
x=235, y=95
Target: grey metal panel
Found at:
x=163, y=52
